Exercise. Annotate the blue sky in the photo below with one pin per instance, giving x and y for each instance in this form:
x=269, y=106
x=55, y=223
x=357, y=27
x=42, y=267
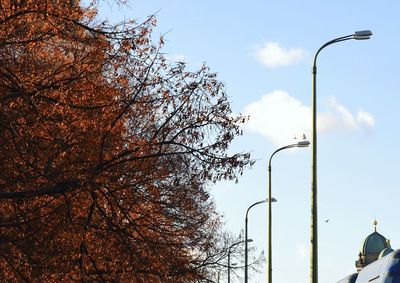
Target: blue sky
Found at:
x=263, y=52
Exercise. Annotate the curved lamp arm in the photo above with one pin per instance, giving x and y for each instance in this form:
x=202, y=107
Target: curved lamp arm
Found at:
x=358, y=35
x=304, y=143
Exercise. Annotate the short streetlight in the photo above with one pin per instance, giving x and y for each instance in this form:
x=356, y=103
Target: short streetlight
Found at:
x=358, y=35
x=246, y=235
x=303, y=143
x=229, y=256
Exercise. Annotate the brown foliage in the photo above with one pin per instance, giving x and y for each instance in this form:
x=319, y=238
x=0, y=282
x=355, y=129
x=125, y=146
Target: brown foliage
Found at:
x=106, y=150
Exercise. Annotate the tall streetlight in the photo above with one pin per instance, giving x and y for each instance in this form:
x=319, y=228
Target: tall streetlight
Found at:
x=304, y=143
x=358, y=35
x=245, y=235
x=229, y=256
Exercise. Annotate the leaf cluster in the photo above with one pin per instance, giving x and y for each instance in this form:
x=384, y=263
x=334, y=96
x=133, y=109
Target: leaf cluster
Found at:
x=107, y=150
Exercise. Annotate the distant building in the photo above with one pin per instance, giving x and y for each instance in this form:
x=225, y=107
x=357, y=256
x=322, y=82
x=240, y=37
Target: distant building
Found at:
x=377, y=262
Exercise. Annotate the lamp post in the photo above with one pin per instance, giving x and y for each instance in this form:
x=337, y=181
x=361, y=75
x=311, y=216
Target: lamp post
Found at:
x=358, y=35
x=229, y=256
x=304, y=143
x=246, y=235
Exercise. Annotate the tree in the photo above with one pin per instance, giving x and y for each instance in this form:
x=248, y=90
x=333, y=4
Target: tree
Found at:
x=107, y=150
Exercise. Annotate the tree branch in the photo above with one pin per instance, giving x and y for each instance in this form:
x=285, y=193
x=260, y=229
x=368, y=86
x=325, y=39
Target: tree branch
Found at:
x=60, y=188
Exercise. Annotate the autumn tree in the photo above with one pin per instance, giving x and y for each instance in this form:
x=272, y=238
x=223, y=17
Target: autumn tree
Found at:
x=106, y=151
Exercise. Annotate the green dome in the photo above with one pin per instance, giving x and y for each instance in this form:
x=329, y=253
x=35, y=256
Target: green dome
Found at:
x=374, y=244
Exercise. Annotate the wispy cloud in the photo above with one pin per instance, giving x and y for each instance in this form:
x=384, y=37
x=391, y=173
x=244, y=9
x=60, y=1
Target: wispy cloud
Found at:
x=279, y=117
x=365, y=118
x=272, y=55
x=336, y=116
x=302, y=251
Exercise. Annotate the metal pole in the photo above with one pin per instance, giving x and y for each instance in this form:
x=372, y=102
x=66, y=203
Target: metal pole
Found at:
x=245, y=250
x=246, y=258
x=269, y=225
x=229, y=265
x=299, y=144
x=314, y=217
x=303, y=143
x=314, y=210
x=358, y=35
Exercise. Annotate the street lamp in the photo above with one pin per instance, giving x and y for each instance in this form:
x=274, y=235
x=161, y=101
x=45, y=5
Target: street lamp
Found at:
x=358, y=35
x=245, y=235
x=303, y=143
x=229, y=256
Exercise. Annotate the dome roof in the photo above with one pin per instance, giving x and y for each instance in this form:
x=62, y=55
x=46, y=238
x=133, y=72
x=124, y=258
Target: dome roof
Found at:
x=374, y=244
x=386, y=250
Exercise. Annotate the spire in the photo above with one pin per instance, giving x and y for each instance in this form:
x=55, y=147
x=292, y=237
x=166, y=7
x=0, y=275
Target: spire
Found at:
x=375, y=223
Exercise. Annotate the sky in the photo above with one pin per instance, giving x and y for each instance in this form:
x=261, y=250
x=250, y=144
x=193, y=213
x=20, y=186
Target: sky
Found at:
x=263, y=51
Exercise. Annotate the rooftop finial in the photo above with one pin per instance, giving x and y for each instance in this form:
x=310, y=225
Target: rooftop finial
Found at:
x=375, y=223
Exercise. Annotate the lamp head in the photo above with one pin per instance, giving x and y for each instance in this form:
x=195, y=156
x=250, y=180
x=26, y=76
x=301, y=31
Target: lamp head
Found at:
x=362, y=34
x=249, y=240
x=273, y=200
x=303, y=144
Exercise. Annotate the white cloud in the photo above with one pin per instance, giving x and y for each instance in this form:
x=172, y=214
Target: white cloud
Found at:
x=279, y=117
x=176, y=58
x=272, y=55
